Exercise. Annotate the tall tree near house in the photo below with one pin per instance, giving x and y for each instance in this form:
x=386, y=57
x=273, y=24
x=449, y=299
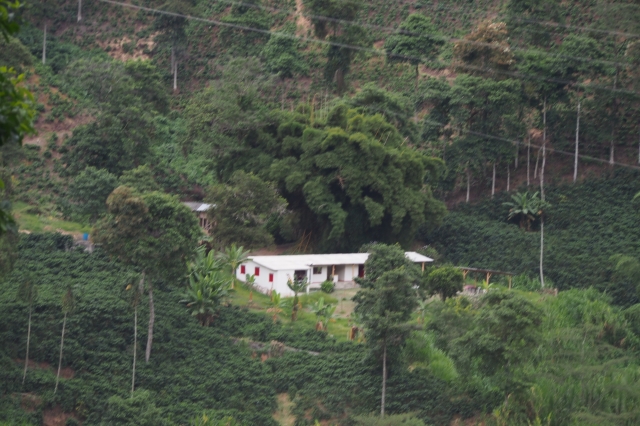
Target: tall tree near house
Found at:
x=68, y=304
x=232, y=257
x=415, y=41
x=152, y=231
x=242, y=208
x=28, y=294
x=386, y=301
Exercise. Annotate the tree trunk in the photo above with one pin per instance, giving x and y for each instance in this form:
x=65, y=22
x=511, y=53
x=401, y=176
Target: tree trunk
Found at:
x=544, y=149
x=515, y=161
x=384, y=379
x=493, y=181
x=508, y=178
x=175, y=76
x=44, y=46
x=575, y=158
x=79, y=10
x=544, y=159
x=541, y=250
x=535, y=169
x=64, y=324
x=613, y=125
x=528, y=160
x=152, y=318
x=26, y=358
x=135, y=347
x=468, y=184
x=173, y=58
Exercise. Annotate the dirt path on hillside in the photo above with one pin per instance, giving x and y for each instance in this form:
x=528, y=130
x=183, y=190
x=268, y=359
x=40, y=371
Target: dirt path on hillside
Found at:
x=303, y=23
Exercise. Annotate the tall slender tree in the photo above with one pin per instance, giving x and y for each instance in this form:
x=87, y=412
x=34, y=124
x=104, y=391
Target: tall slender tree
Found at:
x=68, y=304
x=386, y=301
x=152, y=231
x=135, y=301
x=28, y=294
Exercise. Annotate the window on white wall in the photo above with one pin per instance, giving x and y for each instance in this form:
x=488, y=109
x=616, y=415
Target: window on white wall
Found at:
x=317, y=270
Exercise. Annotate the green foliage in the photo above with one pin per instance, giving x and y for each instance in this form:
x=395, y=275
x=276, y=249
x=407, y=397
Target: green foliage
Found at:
x=13, y=54
x=394, y=420
x=580, y=236
x=89, y=191
x=241, y=210
x=327, y=287
x=153, y=231
x=524, y=207
x=415, y=40
x=281, y=56
x=137, y=410
x=446, y=281
x=141, y=179
x=352, y=173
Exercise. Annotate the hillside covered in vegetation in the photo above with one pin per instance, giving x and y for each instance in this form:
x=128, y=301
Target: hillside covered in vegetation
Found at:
x=498, y=135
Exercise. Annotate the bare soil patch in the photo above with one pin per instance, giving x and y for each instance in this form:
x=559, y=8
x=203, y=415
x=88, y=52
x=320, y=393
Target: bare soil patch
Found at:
x=55, y=417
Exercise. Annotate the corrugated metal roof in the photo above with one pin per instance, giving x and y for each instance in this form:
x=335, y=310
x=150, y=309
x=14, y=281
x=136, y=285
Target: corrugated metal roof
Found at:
x=197, y=206
x=305, y=261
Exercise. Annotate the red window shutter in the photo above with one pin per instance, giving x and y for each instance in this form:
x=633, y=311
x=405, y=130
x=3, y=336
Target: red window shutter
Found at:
x=257, y=274
x=243, y=270
x=270, y=278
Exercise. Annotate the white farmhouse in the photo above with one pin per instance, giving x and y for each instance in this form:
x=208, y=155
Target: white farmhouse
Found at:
x=273, y=272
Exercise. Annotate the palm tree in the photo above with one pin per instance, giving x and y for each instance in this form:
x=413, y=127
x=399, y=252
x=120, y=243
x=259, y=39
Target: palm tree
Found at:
x=296, y=286
x=68, y=303
x=525, y=207
x=275, y=305
x=203, y=296
x=233, y=257
x=28, y=293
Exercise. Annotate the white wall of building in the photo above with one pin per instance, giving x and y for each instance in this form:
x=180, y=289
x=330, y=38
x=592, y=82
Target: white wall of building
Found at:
x=263, y=284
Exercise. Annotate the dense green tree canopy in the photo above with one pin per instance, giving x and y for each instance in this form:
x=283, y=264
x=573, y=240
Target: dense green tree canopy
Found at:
x=89, y=191
x=241, y=209
x=445, y=281
x=351, y=180
x=152, y=231
x=415, y=41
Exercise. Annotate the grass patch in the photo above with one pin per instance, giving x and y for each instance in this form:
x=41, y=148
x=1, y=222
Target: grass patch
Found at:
x=338, y=327
x=32, y=220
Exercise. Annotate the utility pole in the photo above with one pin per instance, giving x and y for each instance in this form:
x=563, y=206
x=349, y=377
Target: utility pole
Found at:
x=79, y=10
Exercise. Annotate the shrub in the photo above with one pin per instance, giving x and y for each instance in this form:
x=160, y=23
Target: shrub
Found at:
x=327, y=286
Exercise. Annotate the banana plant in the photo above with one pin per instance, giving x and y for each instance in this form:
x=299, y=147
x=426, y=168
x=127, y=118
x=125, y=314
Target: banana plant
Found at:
x=276, y=305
